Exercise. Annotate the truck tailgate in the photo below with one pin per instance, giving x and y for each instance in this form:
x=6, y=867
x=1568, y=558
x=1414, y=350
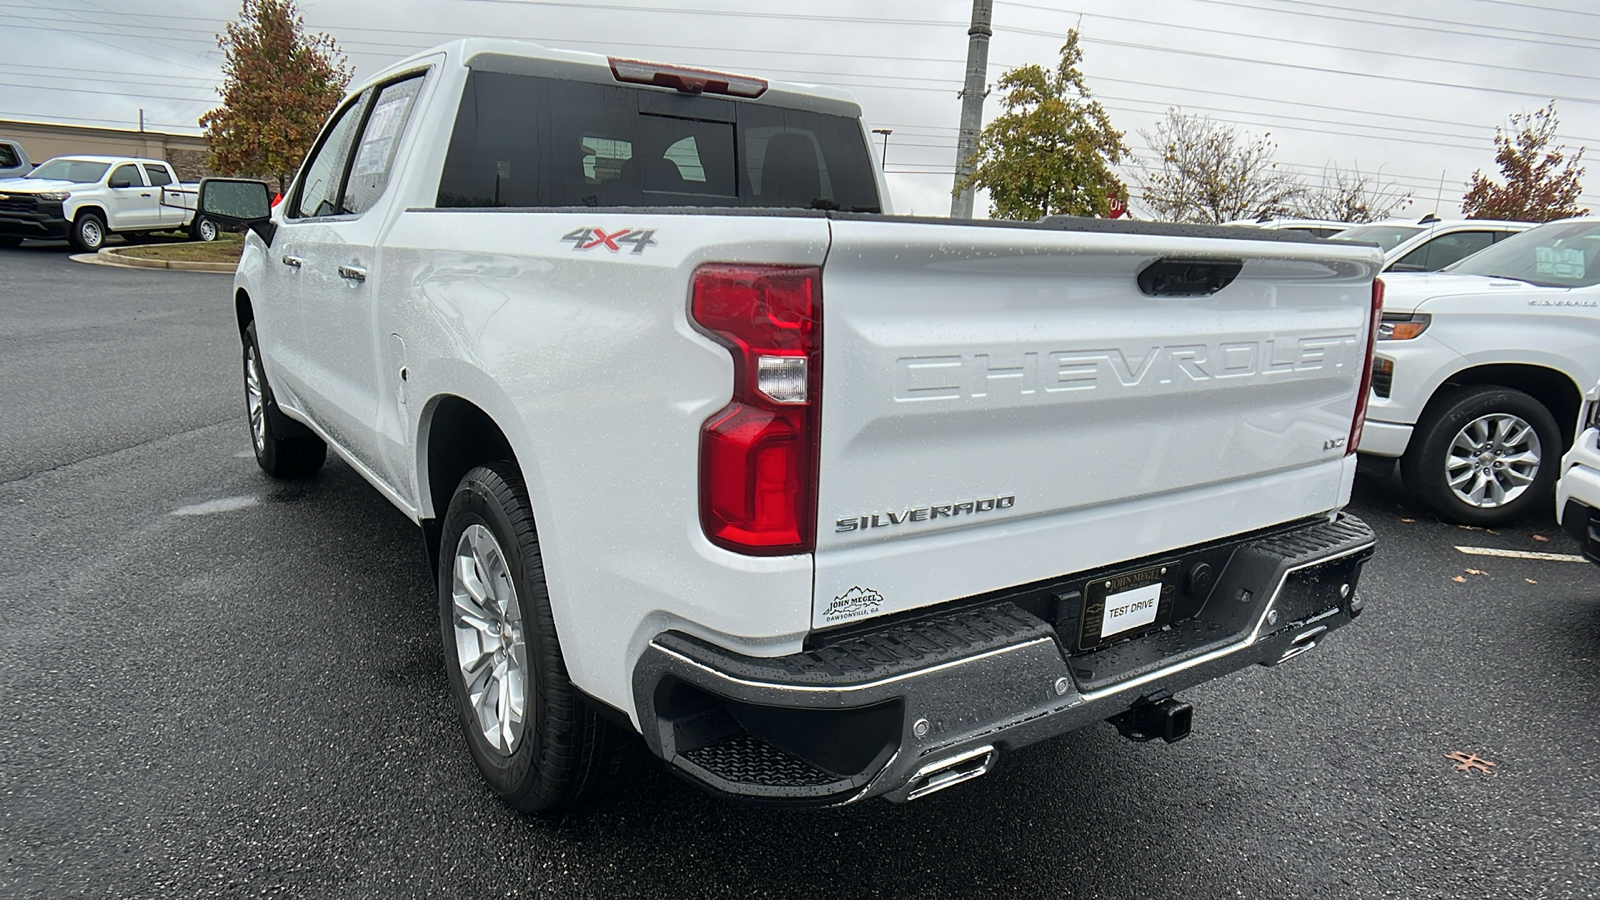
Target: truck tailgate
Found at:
x=1005, y=404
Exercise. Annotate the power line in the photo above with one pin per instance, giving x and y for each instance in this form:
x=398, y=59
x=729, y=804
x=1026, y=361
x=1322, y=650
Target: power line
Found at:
x=1321, y=45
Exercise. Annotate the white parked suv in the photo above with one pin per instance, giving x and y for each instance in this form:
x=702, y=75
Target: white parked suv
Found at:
x=1432, y=244
x=87, y=199
x=823, y=503
x=1578, y=491
x=1481, y=369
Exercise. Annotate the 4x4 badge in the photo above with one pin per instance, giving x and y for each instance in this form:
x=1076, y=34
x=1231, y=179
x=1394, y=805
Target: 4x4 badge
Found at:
x=590, y=238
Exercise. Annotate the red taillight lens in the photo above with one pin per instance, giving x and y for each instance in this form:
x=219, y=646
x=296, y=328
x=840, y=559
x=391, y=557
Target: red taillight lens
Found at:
x=1360, y=418
x=758, y=454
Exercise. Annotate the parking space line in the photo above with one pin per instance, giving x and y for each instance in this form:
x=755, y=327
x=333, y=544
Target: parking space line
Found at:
x=1522, y=554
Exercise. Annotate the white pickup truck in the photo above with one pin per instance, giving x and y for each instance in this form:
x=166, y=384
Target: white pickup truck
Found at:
x=1481, y=369
x=87, y=199
x=824, y=503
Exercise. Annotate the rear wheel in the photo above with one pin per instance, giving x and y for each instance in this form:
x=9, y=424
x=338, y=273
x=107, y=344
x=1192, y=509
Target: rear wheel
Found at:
x=281, y=456
x=88, y=232
x=1484, y=455
x=203, y=229
x=535, y=741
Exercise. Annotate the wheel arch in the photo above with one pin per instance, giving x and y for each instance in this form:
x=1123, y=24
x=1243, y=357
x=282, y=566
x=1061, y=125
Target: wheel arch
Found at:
x=94, y=207
x=243, y=312
x=1553, y=388
x=454, y=435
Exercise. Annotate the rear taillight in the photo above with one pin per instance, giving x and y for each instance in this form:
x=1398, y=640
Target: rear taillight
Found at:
x=1360, y=418
x=758, y=454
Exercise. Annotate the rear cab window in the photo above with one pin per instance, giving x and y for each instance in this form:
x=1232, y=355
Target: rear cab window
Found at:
x=533, y=141
x=8, y=157
x=158, y=175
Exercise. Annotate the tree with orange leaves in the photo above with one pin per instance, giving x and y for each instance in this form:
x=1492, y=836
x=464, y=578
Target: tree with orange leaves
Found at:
x=279, y=85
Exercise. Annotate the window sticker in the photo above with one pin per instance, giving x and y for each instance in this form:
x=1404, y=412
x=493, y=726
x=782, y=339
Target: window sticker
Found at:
x=1559, y=262
x=381, y=129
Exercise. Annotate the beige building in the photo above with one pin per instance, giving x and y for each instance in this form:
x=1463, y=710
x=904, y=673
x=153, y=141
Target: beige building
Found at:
x=43, y=140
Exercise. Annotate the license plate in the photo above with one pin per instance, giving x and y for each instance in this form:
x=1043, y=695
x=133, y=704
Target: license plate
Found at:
x=1127, y=605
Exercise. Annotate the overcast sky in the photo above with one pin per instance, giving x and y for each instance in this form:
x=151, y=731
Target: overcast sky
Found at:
x=1411, y=89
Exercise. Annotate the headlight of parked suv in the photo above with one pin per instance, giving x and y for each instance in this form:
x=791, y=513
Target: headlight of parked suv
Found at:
x=53, y=195
x=1402, y=326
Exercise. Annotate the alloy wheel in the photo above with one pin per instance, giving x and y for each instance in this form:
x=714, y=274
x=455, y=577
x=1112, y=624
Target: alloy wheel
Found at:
x=255, y=399
x=491, y=645
x=1493, y=460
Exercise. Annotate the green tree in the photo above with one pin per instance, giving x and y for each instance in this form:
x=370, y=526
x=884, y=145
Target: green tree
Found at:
x=1538, y=187
x=1051, y=151
x=278, y=86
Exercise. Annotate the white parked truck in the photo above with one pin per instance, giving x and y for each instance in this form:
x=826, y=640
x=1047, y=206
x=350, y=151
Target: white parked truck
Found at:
x=87, y=199
x=824, y=503
x=1481, y=369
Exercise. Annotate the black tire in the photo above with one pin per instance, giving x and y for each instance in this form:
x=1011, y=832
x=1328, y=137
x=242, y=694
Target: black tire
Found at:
x=88, y=233
x=1426, y=467
x=563, y=752
x=278, y=454
x=10, y=241
x=203, y=229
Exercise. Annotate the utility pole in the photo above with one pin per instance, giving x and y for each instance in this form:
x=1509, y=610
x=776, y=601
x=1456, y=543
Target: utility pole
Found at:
x=972, y=104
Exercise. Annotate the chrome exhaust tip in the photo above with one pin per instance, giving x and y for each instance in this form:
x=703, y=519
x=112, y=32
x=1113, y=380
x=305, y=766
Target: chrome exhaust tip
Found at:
x=951, y=771
x=1302, y=643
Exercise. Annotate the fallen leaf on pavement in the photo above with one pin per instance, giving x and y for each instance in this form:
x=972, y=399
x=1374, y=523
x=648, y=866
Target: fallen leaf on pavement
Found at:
x=1530, y=581
x=1470, y=762
x=1459, y=580
x=1541, y=539
x=1475, y=572
x=1469, y=528
x=1408, y=520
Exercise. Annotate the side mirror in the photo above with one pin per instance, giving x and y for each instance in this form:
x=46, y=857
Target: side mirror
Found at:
x=237, y=202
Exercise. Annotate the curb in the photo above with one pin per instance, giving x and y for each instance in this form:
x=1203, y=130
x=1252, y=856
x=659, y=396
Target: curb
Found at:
x=113, y=256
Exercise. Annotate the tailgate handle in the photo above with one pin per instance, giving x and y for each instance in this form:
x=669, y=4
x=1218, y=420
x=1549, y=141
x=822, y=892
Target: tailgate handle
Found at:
x=1188, y=277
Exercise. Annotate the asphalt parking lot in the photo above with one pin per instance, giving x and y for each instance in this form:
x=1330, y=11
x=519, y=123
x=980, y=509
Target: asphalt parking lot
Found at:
x=215, y=685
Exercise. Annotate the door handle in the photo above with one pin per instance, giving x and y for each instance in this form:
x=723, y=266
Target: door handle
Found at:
x=354, y=273
x=144, y=195
x=294, y=261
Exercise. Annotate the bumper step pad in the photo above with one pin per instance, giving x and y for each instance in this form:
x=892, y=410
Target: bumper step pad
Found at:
x=872, y=711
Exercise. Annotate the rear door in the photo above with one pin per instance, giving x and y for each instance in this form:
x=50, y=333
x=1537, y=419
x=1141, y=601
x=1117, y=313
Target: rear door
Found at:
x=171, y=206
x=341, y=275
x=134, y=204
x=1002, y=405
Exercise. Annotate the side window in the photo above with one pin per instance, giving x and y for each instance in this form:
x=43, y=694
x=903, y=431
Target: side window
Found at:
x=369, y=175
x=8, y=156
x=125, y=177
x=1455, y=247
x=320, y=189
x=158, y=175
